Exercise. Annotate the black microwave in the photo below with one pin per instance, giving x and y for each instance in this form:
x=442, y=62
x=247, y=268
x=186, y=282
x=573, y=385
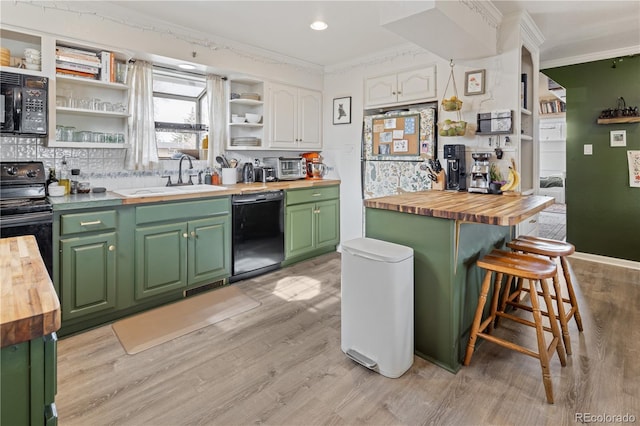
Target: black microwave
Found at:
x=24, y=104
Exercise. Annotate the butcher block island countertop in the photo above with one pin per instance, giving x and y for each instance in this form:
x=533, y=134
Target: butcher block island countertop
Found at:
x=471, y=207
x=29, y=305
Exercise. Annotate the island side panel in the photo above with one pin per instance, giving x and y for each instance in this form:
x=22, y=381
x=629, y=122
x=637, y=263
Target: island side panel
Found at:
x=445, y=295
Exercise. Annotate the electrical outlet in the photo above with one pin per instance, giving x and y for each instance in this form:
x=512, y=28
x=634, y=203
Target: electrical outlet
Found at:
x=588, y=149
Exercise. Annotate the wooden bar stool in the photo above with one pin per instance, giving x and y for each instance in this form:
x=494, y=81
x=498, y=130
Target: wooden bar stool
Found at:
x=528, y=267
x=552, y=249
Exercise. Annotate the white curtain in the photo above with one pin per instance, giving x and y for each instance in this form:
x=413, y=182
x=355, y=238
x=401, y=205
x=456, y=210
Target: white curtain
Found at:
x=142, y=135
x=216, y=94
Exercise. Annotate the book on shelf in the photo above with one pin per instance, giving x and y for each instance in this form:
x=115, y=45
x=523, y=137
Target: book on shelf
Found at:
x=77, y=60
x=77, y=67
x=62, y=71
x=76, y=50
x=108, y=63
x=552, y=106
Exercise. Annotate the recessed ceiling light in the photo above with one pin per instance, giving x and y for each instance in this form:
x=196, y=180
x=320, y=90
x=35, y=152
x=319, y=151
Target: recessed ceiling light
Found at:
x=186, y=66
x=319, y=25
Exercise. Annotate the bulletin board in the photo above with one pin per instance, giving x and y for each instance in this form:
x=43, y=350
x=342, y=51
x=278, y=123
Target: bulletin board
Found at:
x=398, y=135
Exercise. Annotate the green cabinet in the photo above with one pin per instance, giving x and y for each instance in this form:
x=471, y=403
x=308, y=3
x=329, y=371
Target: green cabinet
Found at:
x=87, y=263
x=28, y=382
x=312, y=222
x=173, y=253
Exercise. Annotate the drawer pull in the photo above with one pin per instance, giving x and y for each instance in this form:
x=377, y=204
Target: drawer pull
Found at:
x=112, y=247
x=93, y=222
x=317, y=194
x=185, y=235
x=193, y=234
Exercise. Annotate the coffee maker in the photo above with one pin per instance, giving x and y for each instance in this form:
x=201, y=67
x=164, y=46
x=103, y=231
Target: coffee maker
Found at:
x=456, y=172
x=480, y=172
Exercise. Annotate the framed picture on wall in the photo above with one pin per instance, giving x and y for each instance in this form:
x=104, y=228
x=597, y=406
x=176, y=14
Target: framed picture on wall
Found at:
x=474, y=82
x=342, y=110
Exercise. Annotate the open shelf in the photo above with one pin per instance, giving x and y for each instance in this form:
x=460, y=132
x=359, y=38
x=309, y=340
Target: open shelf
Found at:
x=618, y=120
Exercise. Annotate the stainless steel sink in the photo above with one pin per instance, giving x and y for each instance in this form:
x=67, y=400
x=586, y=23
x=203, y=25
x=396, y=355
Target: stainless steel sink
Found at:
x=154, y=191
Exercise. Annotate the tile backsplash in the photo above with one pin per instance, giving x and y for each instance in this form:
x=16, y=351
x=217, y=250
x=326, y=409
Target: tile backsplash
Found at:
x=101, y=167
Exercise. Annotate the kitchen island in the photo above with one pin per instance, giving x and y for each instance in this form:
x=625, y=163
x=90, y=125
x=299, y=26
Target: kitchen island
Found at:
x=29, y=318
x=448, y=231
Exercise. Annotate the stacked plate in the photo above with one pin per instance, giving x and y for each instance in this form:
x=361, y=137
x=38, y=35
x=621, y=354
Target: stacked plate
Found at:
x=5, y=57
x=245, y=141
x=252, y=96
x=32, y=59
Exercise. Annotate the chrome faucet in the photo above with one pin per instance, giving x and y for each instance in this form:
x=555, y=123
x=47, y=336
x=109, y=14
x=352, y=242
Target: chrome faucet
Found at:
x=180, y=171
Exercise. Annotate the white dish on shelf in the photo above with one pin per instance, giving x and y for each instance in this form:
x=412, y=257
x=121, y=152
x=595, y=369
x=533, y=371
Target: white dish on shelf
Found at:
x=237, y=119
x=253, y=118
x=33, y=67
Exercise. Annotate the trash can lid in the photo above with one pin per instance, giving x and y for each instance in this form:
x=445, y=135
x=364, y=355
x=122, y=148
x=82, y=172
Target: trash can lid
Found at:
x=382, y=251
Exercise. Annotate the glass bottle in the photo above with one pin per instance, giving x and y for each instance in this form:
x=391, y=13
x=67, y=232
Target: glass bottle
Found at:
x=52, y=177
x=75, y=178
x=64, y=176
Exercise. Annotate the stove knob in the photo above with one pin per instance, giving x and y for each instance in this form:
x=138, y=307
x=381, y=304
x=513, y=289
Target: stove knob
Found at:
x=12, y=171
x=32, y=173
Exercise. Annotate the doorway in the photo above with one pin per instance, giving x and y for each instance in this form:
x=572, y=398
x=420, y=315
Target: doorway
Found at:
x=552, y=164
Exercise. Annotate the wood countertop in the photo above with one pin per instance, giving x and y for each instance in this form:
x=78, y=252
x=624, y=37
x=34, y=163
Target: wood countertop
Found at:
x=500, y=210
x=29, y=305
x=239, y=188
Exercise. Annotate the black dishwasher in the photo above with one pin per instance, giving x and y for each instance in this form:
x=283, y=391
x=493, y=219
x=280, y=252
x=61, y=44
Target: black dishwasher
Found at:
x=258, y=233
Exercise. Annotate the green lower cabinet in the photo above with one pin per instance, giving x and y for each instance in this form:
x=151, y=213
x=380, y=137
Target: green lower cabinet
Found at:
x=311, y=226
x=28, y=383
x=178, y=255
x=161, y=253
x=88, y=274
x=208, y=254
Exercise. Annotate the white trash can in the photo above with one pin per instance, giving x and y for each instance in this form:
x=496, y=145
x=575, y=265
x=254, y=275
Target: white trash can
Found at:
x=377, y=305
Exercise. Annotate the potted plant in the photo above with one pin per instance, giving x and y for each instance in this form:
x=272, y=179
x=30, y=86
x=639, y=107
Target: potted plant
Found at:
x=496, y=180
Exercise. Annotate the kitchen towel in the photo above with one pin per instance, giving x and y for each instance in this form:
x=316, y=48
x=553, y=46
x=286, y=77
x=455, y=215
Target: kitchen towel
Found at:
x=160, y=325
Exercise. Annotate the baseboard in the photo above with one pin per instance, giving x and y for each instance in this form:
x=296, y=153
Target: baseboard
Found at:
x=608, y=260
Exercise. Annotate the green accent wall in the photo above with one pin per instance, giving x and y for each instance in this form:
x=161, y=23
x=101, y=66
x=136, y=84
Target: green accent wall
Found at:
x=603, y=211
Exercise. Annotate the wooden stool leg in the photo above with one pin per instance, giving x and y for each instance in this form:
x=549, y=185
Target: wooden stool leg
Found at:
x=543, y=355
x=553, y=322
x=497, y=283
x=561, y=315
x=482, y=300
x=572, y=294
x=506, y=292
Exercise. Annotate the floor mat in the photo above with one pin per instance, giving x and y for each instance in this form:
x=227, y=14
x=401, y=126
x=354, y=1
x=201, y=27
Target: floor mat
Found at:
x=160, y=325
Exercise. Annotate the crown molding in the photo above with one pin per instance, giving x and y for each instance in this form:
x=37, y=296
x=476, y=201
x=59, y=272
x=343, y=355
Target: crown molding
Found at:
x=590, y=57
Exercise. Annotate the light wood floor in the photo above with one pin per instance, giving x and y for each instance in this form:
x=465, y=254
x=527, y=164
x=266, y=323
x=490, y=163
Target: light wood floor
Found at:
x=281, y=364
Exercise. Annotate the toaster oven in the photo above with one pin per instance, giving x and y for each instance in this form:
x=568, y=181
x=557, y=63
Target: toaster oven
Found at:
x=287, y=168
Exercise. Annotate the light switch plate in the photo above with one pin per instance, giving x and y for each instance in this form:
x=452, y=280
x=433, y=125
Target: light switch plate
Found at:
x=588, y=149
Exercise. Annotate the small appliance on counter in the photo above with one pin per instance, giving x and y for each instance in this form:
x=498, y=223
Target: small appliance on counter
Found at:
x=247, y=173
x=287, y=168
x=264, y=174
x=316, y=169
x=480, y=172
x=456, y=168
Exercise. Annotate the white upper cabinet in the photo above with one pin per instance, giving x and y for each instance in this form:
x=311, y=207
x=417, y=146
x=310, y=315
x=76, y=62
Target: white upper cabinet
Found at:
x=403, y=87
x=295, y=117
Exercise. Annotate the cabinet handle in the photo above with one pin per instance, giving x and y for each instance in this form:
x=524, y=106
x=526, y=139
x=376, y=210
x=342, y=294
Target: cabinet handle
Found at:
x=393, y=93
x=193, y=234
x=185, y=235
x=317, y=194
x=399, y=93
x=112, y=247
x=95, y=222
x=316, y=211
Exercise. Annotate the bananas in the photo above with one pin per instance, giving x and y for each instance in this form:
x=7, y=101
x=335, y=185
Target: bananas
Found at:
x=513, y=180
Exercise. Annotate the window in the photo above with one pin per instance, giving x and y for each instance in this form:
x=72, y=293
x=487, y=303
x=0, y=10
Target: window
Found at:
x=180, y=112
